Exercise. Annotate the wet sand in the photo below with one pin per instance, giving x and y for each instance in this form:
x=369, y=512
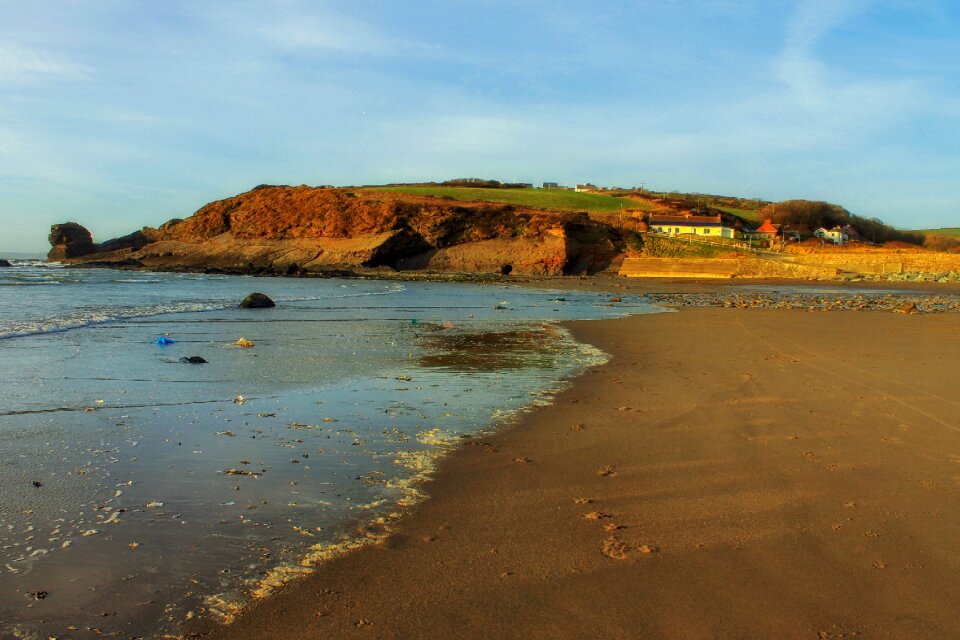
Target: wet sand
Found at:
x=730, y=473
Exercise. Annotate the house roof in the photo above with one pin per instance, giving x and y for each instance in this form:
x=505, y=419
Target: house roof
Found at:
x=767, y=227
x=690, y=221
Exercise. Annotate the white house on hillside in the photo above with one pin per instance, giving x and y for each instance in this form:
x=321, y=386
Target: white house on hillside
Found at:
x=835, y=235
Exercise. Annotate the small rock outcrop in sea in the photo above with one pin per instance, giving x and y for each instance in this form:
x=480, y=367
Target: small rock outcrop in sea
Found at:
x=257, y=300
x=193, y=360
x=70, y=240
x=5, y=263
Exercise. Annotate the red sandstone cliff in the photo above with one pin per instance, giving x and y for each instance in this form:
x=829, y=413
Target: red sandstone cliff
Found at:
x=306, y=230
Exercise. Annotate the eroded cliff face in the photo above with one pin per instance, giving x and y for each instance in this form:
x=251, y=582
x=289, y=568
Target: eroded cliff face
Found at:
x=71, y=240
x=316, y=230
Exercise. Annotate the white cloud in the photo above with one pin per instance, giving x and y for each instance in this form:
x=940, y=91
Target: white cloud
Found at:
x=296, y=28
x=798, y=67
x=18, y=64
x=828, y=100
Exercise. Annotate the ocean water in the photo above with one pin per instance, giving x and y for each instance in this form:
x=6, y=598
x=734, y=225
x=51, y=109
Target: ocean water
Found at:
x=141, y=494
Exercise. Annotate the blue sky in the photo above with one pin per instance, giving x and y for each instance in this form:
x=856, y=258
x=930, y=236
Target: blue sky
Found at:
x=120, y=114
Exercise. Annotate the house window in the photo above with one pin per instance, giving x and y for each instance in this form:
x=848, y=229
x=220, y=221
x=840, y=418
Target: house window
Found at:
x=677, y=230
x=706, y=231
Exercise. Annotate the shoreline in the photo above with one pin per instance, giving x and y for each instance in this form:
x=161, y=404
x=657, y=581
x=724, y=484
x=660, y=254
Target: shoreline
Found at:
x=911, y=280
x=788, y=481
x=131, y=553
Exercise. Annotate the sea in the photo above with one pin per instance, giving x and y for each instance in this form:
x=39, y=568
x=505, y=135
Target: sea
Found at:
x=141, y=494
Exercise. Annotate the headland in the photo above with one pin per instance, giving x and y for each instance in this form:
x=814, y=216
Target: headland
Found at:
x=457, y=231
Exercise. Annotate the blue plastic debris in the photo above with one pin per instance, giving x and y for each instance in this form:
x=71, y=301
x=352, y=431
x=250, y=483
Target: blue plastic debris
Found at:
x=164, y=340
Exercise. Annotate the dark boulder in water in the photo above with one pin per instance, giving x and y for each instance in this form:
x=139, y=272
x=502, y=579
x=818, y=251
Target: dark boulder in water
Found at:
x=193, y=360
x=257, y=301
x=5, y=263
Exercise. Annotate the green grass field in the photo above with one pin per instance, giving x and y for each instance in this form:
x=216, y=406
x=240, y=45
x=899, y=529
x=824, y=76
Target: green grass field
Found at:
x=751, y=215
x=946, y=231
x=532, y=198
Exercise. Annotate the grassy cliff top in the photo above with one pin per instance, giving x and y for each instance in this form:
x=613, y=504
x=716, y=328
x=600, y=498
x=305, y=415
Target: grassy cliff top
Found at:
x=945, y=231
x=550, y=199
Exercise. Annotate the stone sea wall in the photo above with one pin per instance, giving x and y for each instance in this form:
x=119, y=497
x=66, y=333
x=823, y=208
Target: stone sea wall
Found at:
x=743, y=267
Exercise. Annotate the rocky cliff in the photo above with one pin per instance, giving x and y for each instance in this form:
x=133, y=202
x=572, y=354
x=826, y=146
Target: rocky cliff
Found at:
x=72, y=240
x=324, y=230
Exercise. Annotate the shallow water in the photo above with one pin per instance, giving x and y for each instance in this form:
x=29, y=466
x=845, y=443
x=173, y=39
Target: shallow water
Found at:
x=140, y=492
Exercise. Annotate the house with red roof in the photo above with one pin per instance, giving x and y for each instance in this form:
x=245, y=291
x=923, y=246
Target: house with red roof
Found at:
x=767, y=228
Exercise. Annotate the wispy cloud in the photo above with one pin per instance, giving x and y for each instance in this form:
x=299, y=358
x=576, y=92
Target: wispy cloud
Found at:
x=306, y=27
x=19, y=64
x=827, y=98
x=331, y=33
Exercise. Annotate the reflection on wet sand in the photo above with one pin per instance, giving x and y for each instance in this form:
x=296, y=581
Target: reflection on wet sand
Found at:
x=521, y=348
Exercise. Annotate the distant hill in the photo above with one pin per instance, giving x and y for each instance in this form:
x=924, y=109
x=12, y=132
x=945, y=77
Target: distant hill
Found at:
x=945, y=231
x=943, y=239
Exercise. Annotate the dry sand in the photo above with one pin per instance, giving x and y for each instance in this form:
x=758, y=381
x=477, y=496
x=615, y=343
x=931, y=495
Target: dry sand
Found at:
x=728, y=474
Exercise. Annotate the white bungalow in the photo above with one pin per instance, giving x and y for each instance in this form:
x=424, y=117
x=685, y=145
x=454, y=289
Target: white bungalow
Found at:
x=707, y=226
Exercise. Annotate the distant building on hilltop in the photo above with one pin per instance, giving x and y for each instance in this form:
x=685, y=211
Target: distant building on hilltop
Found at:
x=550, y=185
x=585, y=187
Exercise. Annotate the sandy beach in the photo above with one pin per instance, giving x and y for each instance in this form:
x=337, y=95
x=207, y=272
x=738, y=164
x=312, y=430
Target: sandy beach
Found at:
x=730, y=473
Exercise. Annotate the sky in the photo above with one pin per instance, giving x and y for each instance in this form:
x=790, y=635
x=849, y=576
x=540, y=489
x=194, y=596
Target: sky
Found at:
x=122, y=113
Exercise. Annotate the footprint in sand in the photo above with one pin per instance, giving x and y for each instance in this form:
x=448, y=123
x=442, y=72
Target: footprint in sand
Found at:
x=596, y=515
x=614, y=548
x=607, y=470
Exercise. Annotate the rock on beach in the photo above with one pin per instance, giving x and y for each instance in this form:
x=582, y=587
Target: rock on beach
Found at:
x=257, y=300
